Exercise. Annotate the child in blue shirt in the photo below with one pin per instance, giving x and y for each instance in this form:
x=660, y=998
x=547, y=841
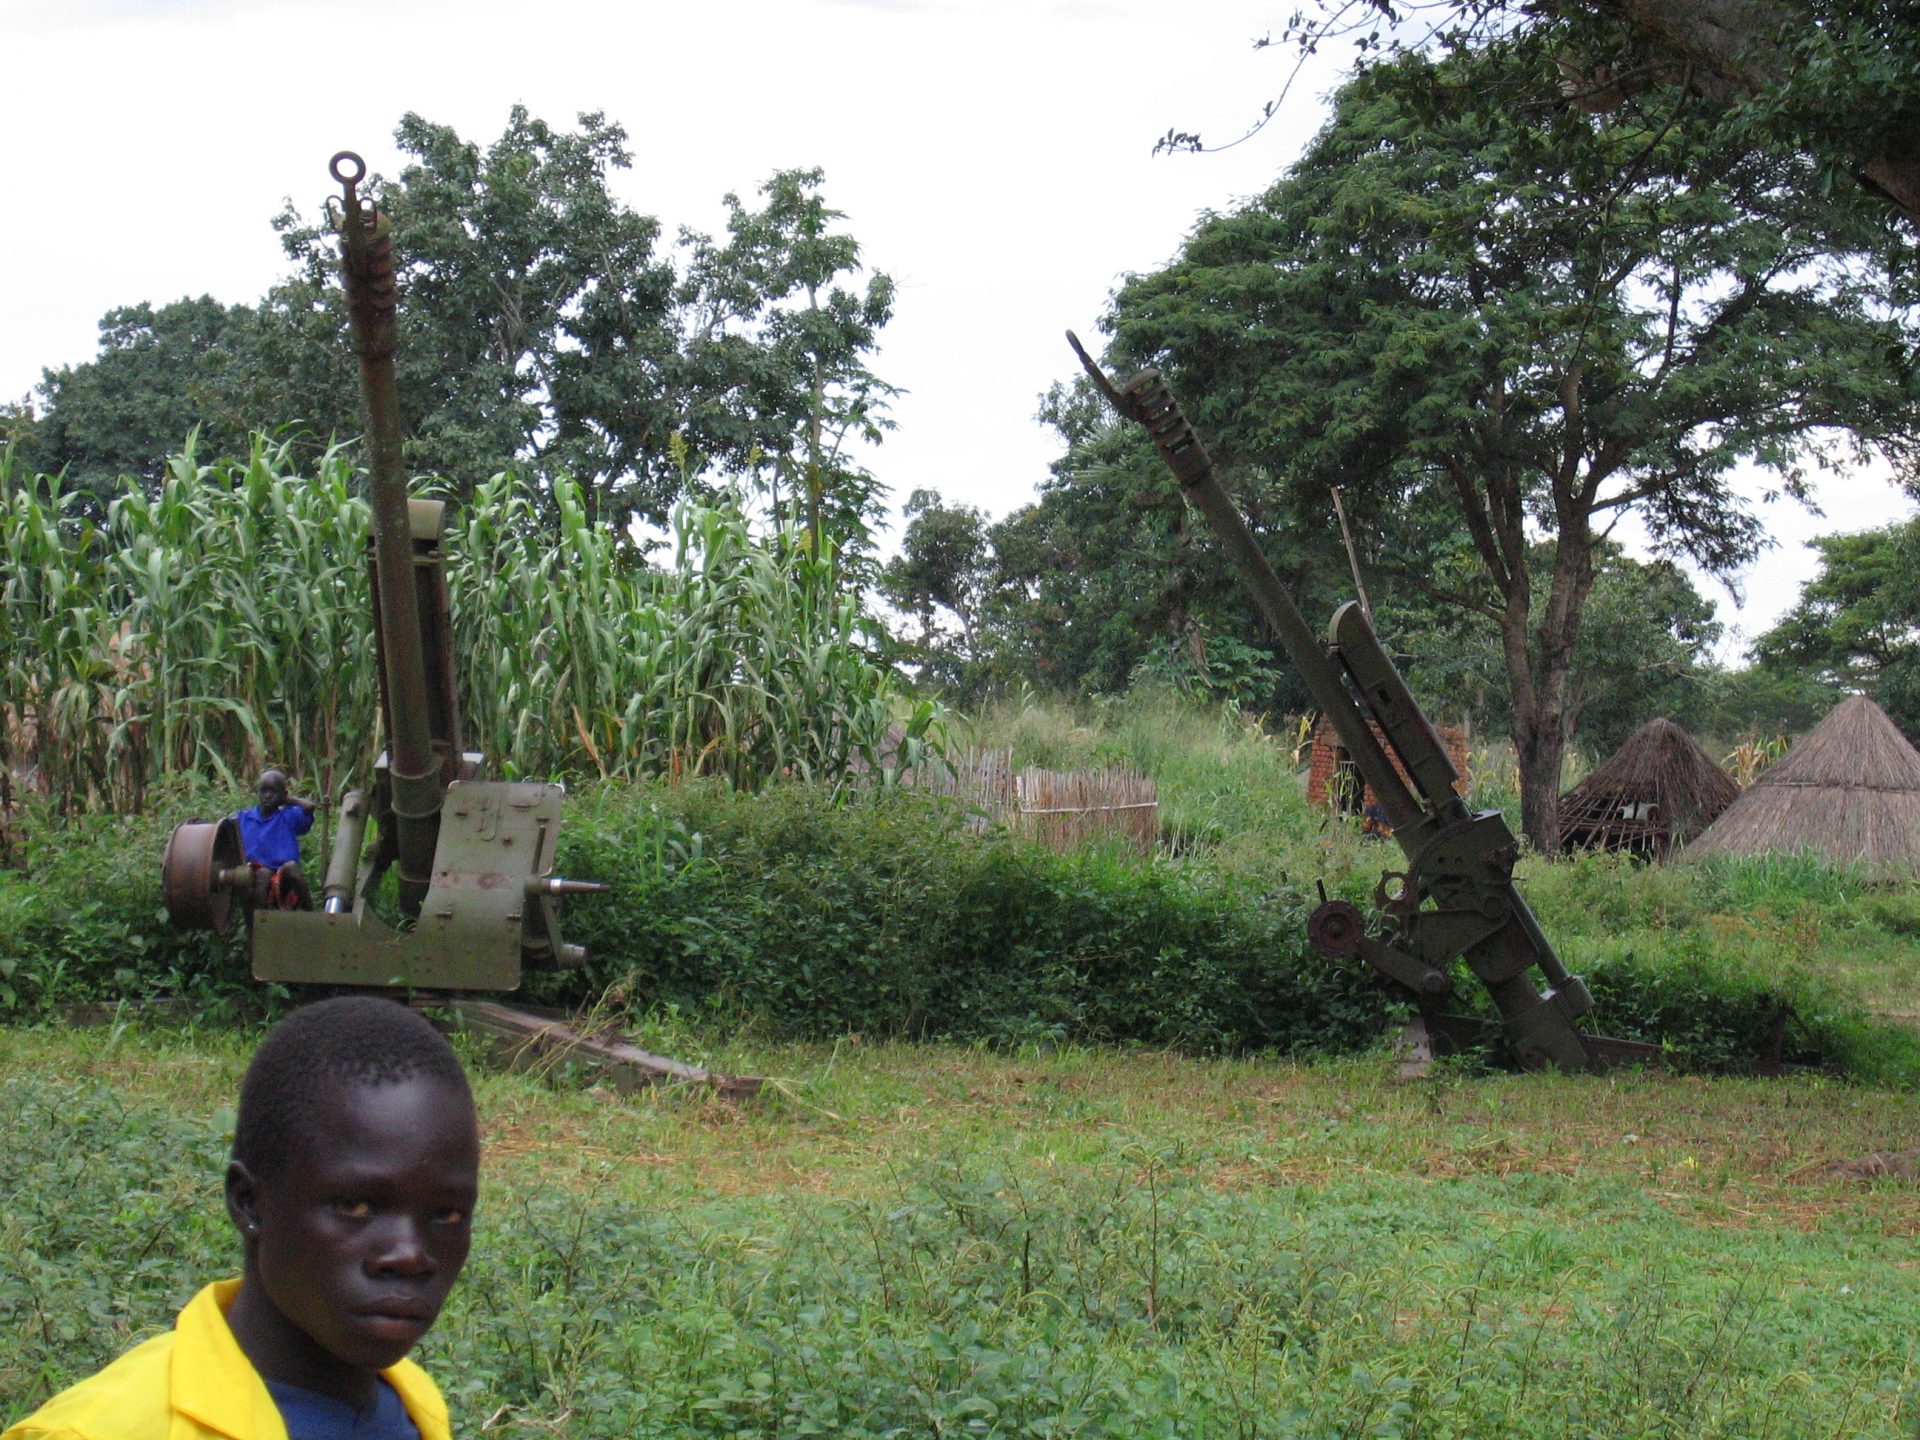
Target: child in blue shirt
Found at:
x=270, y=834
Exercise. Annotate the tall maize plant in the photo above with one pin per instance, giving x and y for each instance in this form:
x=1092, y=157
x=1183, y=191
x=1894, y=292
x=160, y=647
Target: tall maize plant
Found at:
x=222, y=623
x=740, y=661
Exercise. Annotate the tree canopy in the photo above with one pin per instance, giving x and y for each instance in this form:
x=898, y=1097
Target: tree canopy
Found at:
x=1836, y=81
x=545, y=325
x=1857, y=623
x=1538, y=319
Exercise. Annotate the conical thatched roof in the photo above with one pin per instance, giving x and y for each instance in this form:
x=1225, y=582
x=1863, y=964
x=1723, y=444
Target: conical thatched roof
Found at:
x=1849, y=790
x=1659, y=789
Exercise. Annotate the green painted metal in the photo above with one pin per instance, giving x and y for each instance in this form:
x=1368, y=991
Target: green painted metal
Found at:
x=495, y=847
x=1456, y=898
x=476, y=898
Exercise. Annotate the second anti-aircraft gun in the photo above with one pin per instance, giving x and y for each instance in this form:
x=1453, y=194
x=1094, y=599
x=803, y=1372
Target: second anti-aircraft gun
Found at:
x=476, y=894
x=1456, y=898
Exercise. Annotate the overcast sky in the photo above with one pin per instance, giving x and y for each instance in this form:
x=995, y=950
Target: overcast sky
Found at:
x=994, y=156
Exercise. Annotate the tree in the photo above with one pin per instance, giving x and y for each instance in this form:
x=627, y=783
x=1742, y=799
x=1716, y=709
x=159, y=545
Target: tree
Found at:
x=945, y=564
x=1108, y=578
x=1541, y=319
x=1644, y=650
x=1857, y=623
x=161, y=371
x=1836, y=80
x=543, y=326
x=777, y=348
x=537, y=322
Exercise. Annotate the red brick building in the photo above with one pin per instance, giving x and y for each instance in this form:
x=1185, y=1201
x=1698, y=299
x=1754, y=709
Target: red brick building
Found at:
x=1332, y=779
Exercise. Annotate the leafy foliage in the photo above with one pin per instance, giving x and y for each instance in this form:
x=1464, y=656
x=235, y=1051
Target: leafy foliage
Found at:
x=544, y=327
x=891, y=918
x=1857, y=622
x=161, y=370
x=1063, y=1251
x=1644, y=651
x=221, y=623
x=1527, y=319
x=1832, y=80
x=944, y=565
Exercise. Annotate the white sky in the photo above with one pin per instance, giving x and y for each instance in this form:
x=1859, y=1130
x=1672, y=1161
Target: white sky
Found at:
x=993, y=156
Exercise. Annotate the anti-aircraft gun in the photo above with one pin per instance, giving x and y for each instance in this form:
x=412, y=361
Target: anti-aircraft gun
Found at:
x=477, y=895
x=1456, y=899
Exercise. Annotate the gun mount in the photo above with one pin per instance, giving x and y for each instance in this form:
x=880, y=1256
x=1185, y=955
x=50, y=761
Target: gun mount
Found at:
x=1456, y=899
x=477, y=896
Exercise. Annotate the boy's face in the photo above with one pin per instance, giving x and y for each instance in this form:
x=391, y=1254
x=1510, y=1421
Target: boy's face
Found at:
x=360, y=1234
x=272, y=791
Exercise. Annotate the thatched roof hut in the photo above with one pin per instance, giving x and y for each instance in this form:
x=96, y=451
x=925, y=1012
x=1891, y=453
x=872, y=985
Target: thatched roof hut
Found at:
x=1849, y=790
x=1658, y=791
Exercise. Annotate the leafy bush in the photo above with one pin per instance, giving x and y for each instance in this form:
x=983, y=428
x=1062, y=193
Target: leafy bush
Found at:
x=892, y=917
x=1733, y=964
x=83, y=921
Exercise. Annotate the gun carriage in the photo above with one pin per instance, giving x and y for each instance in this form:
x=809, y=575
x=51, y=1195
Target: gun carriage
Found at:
x=1456, y=899
x=477, y=898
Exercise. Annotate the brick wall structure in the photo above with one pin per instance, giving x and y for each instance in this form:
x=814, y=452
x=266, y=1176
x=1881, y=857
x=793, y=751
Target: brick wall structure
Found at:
x=1329, y=756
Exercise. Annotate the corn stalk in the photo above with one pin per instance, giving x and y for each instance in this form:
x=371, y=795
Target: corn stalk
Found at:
x=220, y=623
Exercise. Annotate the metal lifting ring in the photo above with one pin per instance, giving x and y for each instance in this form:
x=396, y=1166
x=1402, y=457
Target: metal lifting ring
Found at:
x=338, y=165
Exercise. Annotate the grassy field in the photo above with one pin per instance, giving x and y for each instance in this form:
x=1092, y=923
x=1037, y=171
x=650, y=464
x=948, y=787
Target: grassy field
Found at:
x=1052, y=1239
x=937, y=1240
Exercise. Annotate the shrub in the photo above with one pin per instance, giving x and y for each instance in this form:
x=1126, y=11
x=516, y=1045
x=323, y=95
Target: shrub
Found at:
x=892, y=917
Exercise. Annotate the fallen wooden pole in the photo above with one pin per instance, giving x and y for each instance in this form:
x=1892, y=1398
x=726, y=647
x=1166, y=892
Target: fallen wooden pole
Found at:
x=526, y=1040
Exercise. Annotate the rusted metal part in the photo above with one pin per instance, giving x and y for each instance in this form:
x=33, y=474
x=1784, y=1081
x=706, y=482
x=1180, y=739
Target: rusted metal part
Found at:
x=1336, y=929
x=202, y=870
x=527, y=1039
x=1456, y=898
x=372, y=286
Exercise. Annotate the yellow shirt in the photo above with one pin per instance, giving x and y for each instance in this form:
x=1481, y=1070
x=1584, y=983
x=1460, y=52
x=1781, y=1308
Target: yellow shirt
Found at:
x=194, y=1383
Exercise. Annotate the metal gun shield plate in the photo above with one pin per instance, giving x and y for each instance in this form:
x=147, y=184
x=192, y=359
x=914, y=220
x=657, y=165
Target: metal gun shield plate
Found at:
x=496, y=839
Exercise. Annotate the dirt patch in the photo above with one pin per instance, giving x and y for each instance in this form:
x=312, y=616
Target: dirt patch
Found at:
x=1889, y=1164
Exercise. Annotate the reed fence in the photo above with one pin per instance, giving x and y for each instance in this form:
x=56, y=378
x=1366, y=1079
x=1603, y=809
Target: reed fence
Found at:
x=1060, y=809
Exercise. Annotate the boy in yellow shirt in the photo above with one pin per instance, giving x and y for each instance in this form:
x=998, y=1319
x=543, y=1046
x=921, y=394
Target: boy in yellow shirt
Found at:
x=352, y=1182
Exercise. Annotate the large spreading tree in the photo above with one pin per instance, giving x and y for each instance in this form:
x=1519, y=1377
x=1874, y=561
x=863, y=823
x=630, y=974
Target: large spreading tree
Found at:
x=1837, y=81
x=1542, y=318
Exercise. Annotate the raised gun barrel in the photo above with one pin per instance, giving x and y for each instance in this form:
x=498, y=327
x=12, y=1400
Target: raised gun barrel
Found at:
x=1456, y=897
x=373, y=292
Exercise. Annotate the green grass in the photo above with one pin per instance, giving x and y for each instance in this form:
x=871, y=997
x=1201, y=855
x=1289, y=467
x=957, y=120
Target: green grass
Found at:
x=1031, y=1235
x=940, y=1240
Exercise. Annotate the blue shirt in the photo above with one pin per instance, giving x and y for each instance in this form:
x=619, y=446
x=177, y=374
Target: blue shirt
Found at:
x=273, y=840
x=310, y=1416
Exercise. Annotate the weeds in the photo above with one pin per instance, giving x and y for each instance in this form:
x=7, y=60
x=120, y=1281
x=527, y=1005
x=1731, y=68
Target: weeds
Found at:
x=1020, y=1273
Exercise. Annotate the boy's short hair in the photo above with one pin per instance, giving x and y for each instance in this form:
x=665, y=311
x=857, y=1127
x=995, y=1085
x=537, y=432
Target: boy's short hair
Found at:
x=318, y=1049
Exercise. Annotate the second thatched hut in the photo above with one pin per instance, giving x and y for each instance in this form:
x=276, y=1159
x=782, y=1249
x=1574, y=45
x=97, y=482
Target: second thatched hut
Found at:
x=1848, y=791
x=1658, y=791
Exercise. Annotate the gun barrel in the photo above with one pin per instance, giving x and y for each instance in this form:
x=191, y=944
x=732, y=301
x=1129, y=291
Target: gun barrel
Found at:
x=1147, y=399
x=372, y=287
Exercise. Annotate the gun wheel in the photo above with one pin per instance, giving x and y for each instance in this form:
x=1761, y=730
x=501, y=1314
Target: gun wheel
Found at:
x=1336, y=929
x=198, y=853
